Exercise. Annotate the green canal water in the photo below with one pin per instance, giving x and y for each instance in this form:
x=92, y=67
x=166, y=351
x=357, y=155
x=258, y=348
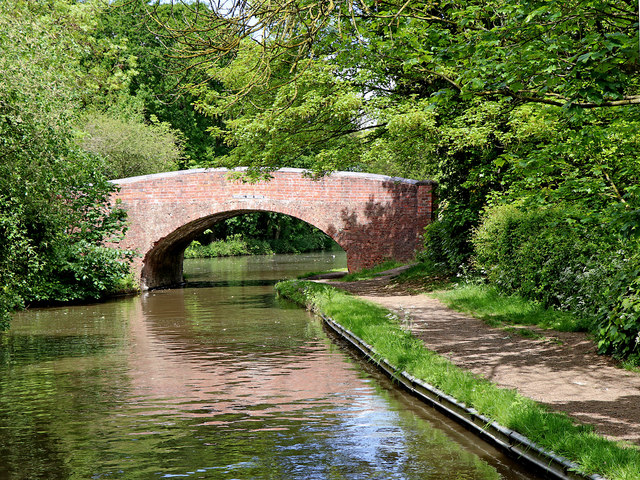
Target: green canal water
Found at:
x=217, y=380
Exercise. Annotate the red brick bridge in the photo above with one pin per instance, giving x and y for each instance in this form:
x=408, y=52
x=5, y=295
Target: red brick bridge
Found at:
x=372, y=217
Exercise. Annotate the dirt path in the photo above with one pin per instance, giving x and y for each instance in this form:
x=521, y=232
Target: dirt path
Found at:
x=569, y=376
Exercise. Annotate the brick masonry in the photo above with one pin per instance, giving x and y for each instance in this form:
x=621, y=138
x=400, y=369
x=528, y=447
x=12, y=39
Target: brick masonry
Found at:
x=372, y=217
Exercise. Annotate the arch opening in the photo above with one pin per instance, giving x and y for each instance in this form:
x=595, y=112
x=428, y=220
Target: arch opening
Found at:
x=163, y=264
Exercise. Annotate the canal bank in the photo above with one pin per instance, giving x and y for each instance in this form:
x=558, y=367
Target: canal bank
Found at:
x=552, y=431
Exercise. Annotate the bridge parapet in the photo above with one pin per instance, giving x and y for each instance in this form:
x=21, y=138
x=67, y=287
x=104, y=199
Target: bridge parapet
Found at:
x=372, y=217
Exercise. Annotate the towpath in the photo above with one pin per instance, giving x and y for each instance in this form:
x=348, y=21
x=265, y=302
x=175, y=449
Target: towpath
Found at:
x=562, y=370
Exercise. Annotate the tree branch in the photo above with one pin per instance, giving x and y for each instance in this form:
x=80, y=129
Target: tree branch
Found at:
x=615, y=189
x=560, y=101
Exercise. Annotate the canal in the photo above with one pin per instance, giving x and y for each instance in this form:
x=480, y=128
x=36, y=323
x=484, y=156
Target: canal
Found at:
x=217, y=380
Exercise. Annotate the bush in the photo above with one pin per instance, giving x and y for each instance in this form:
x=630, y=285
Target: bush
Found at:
x=560, y=258
x=80, y=271
x=619, y=319
x=447, y=246
x=130, y=146
x=535, y=253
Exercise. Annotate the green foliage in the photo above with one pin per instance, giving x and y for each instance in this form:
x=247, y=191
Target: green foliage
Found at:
x=618, y=319
x=446, y=244
x=559, y=257
x=154, y=75
x=54, y=210
x=231, y=246
x=259, y=233
x=129, y=146
x=563, y=53
x=282, y=123
x=383, y=331
x=79, y=271
x=588, y=159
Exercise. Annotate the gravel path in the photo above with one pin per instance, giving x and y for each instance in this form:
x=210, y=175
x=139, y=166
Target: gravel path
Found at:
x=562, y=371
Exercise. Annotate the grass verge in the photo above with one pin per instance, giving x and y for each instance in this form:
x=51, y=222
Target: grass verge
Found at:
x=369, y=273
x=553, y=431
x=321, y=272
x=424, y=277
x=486, y=303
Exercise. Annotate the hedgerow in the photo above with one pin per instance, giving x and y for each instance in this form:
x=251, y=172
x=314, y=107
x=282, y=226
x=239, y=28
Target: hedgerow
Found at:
x=553, y=256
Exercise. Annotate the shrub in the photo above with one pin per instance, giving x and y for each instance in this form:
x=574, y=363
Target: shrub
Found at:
x=619, y=319
x=446, y=245
x=130, y=146
x=560, y=258
x=80, y=271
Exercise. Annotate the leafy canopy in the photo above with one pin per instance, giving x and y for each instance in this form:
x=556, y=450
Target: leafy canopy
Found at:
x=54, y=201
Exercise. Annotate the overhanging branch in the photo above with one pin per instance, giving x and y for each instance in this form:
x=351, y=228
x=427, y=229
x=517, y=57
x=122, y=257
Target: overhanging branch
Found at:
x=560, y=101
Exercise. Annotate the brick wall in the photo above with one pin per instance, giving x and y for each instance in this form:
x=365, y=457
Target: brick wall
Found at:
x=372, y=217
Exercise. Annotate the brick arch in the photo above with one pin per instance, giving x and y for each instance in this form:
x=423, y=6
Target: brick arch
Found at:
x=163, y=262
x=372, y=217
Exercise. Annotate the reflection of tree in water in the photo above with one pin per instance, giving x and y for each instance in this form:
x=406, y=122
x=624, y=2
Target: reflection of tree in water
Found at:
x=208, y=380
x=51, y=402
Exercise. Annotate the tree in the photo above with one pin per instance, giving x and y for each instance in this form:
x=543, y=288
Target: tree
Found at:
x=130, y=147
x=153, y=86
x=438, y=89
x=304, y=123
x=555, y=52
x=54, y=202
